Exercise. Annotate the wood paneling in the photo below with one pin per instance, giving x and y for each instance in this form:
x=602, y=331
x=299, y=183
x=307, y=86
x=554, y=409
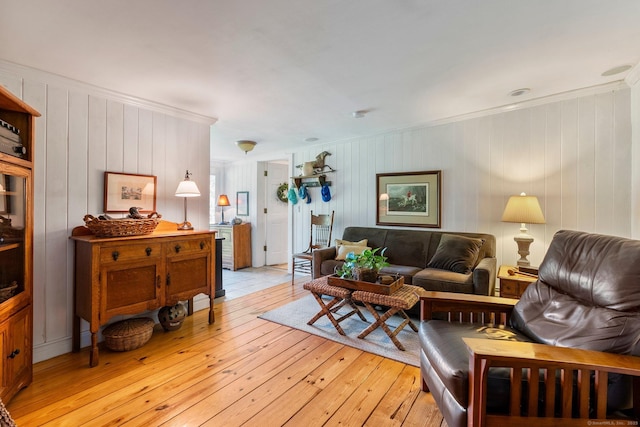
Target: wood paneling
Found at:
x=84, y=131
x=574, y=154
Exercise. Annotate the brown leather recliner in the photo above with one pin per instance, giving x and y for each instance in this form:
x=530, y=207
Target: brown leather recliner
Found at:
x=566, y=350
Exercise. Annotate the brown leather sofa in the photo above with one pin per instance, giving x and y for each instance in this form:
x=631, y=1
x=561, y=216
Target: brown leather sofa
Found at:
x=410, y=253
x=585, y=302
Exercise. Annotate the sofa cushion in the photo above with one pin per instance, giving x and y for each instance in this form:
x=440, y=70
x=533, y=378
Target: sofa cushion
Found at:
x=343, y=250
x=362, y=242
x=407, y=247
x=456, y=253
x=404, y=270
x=433, y=279
x=447, y=354
x=375, y=236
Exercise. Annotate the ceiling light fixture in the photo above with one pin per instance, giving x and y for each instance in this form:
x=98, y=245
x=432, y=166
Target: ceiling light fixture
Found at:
x=519, y=92
x=359, y=114
x=311, y=139
x=616, y=70
x=246, y=145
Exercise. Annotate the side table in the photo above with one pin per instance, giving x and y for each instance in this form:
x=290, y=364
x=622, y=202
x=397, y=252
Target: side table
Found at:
x=513, y=285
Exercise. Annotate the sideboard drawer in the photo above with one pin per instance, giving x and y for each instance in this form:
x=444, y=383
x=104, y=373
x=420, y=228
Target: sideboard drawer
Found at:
x=189, y=247
x=130, y=252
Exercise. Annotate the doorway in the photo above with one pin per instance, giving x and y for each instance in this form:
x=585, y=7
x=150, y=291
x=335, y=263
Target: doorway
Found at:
x=276, y=217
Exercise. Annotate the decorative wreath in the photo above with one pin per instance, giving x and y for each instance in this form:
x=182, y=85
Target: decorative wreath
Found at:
x=281, y=192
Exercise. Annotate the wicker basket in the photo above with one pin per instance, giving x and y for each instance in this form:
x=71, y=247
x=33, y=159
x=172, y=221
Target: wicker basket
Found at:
x=128, y=334
x=7, y=291
x=122, y=227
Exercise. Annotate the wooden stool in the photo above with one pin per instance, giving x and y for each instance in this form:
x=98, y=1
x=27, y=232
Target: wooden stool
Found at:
x=399, y=301
x=341, y=297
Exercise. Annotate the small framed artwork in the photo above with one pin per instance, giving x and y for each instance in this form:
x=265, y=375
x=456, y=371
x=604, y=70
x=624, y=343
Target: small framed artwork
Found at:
x=242, y=203
x=124, y=190
x=409, y=199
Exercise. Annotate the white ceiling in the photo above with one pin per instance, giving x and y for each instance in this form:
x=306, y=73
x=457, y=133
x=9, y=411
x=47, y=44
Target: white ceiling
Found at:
x=280, y=71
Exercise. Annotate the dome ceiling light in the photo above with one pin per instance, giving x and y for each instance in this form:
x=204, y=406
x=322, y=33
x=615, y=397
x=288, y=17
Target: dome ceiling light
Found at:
x=246, y=145
x=616, y=70
x=520, y=92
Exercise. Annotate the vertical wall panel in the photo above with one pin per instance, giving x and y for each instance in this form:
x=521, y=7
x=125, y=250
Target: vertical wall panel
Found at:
x=115, y=136
x=56, y=219
x=130, y=139
x=585, y=185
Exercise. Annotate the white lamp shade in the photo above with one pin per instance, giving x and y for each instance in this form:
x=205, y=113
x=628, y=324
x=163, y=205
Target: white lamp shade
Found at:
x=523, y=209
x=187, y=188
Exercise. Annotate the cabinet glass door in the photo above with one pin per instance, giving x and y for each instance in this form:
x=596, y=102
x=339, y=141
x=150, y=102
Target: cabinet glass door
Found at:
x=12, y=235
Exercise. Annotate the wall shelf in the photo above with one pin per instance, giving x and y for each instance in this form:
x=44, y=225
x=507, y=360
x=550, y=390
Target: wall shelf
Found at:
x=311, y=180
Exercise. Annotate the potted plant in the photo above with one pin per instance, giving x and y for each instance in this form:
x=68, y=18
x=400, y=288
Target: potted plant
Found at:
x=364, y=266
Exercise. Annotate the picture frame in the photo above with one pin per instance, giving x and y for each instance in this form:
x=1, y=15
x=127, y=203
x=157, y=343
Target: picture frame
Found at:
x=125, y=190
x=411, y=199
x=242, y=203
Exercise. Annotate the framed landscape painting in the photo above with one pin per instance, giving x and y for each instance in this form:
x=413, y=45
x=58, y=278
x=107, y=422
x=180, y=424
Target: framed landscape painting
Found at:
x=124, y=190
x=409, y=199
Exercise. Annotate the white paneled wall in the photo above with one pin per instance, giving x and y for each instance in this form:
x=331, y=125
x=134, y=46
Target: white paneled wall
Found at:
x=83, y=132
x=574, y=154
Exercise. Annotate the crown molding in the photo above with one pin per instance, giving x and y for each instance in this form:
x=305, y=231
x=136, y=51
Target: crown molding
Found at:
x=23, y=72
x=633, y=76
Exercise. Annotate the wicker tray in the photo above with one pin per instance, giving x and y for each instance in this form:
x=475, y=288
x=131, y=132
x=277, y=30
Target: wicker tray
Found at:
x=356, y=285
x=122, y=227
x=128, y=334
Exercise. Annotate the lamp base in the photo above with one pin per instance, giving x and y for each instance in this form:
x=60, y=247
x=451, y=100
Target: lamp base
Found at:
x=223, y=223
x=185, y=226
x=523, y=240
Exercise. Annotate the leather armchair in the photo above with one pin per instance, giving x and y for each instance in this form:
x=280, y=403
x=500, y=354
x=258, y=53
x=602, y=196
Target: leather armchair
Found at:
x=566, y=352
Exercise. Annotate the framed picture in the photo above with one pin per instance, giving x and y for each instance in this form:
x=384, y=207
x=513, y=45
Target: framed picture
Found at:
x=124, y=190
x=409, y=199
x=242, y=203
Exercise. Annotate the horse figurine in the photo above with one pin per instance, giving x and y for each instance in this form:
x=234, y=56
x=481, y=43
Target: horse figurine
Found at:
x=317, y=166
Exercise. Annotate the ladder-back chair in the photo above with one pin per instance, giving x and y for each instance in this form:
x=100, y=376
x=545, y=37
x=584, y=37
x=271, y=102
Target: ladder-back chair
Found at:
x=319, y=237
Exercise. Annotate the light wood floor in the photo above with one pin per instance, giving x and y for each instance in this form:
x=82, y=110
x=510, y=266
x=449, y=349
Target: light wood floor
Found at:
x=240, y=371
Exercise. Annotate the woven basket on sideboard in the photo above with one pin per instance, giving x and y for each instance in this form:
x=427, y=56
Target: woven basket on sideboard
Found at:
x=122, y=227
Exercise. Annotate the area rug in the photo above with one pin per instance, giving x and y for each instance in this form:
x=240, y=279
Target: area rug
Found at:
x=296, y=314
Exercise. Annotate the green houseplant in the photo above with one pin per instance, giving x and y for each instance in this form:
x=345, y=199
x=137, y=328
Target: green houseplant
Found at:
x=364, y=266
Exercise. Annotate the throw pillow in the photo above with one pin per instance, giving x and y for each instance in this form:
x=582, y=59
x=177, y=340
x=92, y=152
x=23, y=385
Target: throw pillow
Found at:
x=343, y=250
x=362, y=242
x=456, y=253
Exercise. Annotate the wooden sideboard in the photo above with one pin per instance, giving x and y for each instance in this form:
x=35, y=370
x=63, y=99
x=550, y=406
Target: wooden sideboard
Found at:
x=236, y=246
x=131, y=275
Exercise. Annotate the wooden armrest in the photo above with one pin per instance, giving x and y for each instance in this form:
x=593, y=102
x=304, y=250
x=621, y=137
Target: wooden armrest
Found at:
x=552, y=356
x=466, y=307
x=538, y=363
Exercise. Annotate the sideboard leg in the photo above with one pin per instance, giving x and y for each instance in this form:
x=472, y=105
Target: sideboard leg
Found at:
x=93, y=358
x=75, y=340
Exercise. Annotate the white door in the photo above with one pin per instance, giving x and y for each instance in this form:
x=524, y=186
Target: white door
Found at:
x=276, y=216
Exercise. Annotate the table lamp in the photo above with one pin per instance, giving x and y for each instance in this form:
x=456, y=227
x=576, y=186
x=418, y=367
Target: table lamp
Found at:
x=186, y=188
x=223, y=201
x=523, y=209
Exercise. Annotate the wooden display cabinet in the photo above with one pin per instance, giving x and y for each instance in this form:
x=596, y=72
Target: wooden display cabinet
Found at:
x=131, y=275
x=236, y=246
x=16, y=244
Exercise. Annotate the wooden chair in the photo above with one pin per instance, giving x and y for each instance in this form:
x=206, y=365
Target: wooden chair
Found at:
x=319, y=237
